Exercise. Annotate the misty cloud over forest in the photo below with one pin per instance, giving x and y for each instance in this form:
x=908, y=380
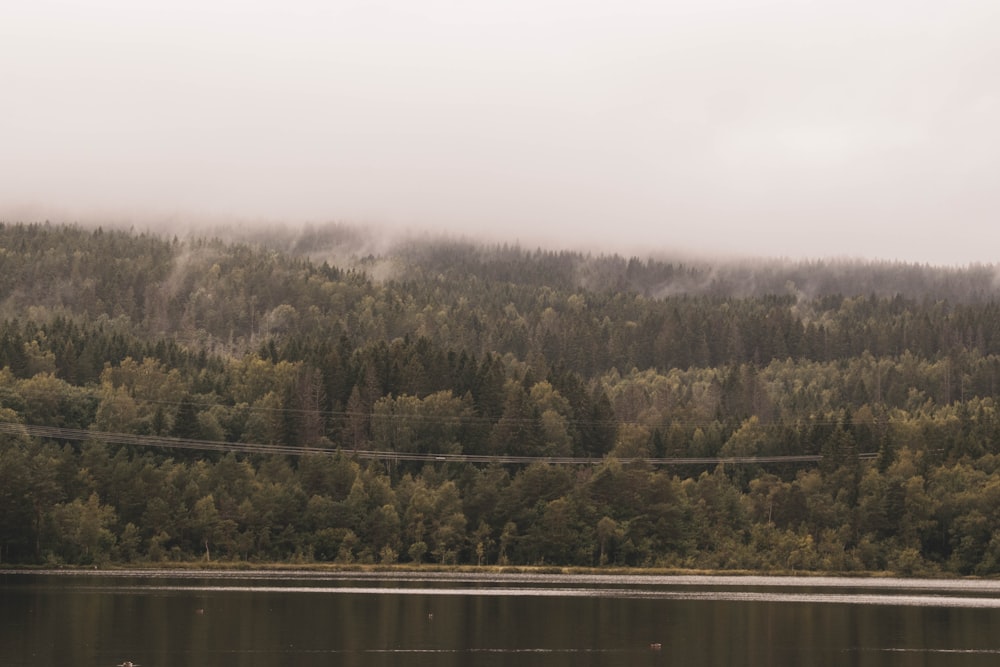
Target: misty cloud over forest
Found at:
x=791, y=129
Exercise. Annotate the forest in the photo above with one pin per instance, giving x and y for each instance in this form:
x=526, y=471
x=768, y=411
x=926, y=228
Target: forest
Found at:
x=842, y=414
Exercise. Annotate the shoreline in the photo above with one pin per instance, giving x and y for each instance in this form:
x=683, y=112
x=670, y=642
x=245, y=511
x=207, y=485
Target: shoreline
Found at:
x=438, y=571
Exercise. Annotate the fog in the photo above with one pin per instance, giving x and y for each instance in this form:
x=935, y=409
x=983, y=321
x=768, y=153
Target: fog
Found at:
x=789, y=128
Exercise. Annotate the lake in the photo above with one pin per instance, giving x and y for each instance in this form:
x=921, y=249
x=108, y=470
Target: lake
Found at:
x=305, y=619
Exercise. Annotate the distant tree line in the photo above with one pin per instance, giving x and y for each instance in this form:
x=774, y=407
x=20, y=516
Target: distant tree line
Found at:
x=464, y=349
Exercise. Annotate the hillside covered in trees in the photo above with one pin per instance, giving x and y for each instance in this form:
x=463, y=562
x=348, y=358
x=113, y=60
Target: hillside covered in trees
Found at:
x=118, y=347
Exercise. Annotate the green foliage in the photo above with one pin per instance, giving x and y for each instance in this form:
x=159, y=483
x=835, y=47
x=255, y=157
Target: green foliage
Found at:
x=461, y=349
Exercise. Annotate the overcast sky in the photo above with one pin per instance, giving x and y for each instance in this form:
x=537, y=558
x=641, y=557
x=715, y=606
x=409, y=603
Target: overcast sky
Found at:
x=788, y=128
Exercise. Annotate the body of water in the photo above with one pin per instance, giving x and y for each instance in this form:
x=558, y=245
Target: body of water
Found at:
x=306, y=619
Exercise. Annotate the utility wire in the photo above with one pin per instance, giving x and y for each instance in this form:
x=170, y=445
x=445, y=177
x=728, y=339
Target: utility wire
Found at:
x=59, y=433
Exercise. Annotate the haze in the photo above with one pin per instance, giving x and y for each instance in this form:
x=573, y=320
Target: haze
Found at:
x=789, y=128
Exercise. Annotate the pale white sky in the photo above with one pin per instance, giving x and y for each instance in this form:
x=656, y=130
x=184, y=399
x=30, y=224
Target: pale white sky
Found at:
x=791, y=128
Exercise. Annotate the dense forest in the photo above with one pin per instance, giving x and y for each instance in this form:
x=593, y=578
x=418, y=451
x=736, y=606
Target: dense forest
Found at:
x=843, y=414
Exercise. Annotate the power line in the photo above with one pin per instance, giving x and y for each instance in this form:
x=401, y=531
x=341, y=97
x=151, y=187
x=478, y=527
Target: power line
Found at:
x=59, y=433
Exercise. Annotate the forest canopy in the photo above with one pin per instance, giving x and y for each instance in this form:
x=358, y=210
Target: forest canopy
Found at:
x=847, y=410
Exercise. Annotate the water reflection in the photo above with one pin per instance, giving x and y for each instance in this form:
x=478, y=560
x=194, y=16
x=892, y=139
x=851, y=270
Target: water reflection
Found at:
x=263, y=619
x=718, y=596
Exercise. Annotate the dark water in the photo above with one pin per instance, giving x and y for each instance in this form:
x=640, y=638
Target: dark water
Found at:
x=304, y=620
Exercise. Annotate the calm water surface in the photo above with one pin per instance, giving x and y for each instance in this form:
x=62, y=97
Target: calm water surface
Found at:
x=166, y=619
